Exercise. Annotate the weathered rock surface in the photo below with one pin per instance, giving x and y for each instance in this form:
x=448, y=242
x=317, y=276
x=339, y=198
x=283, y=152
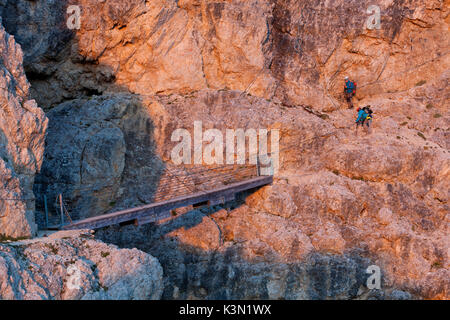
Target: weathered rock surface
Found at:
x=383, y=196
x=295, y=51
x=245, y=269
x=72, y=265
x=340, y=199
x=22, y=133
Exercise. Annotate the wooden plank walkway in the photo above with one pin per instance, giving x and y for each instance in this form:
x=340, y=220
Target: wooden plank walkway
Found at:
x=161, y=210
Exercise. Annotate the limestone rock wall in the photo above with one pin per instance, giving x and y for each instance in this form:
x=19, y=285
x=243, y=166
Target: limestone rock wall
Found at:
x=294, y=51
x=73, y=266
x=22, y=134
x=100, y=154
x=383, y=194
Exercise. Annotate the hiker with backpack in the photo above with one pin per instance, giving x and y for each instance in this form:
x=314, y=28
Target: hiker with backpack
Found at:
x=369, y=118
x=349, y=91
x=365, y=116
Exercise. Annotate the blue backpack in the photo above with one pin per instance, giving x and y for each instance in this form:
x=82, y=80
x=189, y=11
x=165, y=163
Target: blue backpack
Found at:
x=349, y=86
x=362, y=115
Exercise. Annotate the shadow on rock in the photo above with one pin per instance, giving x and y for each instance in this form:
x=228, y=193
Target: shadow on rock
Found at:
x=100, y=155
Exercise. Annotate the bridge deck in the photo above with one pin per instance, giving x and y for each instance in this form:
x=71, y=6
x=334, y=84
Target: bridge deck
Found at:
x=161, y=210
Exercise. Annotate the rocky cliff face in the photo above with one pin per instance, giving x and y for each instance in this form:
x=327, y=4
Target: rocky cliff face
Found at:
x=136, y=70
x=65, y=265
x=383, y=194
x=106, y=155
x=22, y=133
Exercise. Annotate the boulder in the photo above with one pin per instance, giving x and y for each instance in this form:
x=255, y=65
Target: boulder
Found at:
x=22, y=133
